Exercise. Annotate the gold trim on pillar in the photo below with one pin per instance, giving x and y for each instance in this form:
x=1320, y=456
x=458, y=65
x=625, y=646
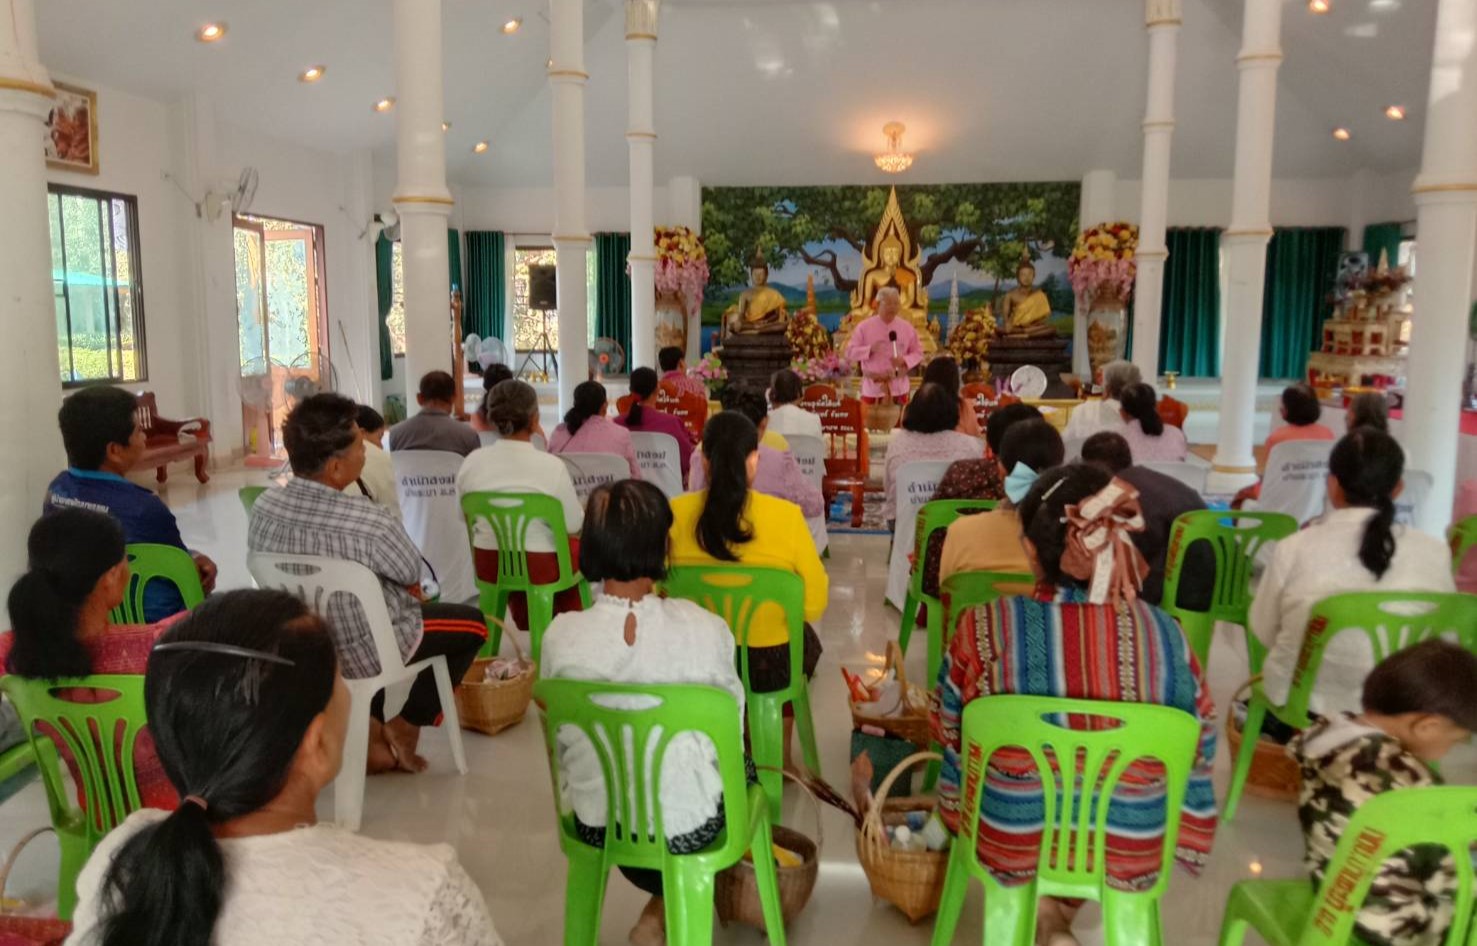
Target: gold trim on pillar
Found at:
x=1219, y=468
x=1249, y=233
x=420, y=199
x=1443, y=188
x=650, y=36
x=1167, y=21
x=1150, y=124
x=568, y=74
x=572, y=239
x=25, y=85
x=1259, y=57
x=1152, y=255
x=641, y=135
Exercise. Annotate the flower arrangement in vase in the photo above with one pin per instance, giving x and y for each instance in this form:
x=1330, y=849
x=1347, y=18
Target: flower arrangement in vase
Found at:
x=1102, y=269
x=969, y=342
x=818, y=369
x=711, y=373
x=681, y=265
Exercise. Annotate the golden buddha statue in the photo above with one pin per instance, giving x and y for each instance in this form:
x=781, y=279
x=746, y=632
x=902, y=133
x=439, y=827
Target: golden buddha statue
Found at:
x=1025, y=311
x=760, y=309
x=890, y=260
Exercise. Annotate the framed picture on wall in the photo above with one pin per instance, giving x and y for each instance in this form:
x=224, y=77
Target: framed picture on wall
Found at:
x=71, y=130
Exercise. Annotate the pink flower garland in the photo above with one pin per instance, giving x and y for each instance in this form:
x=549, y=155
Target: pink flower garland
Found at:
x=682, y=265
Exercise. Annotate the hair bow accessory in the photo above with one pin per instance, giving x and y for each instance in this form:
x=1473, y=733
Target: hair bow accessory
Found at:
x=1019, y=482
x=1100, y=550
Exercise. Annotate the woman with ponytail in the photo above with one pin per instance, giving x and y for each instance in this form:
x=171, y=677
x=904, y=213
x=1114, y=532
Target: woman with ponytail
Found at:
x=1354, y=547
x=1149, y=438
x=644, y=417
x=76, y=573
x=586, y=429
x=249, y=714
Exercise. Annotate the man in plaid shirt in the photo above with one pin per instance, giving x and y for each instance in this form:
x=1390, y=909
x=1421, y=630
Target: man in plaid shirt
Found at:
x=313, y=515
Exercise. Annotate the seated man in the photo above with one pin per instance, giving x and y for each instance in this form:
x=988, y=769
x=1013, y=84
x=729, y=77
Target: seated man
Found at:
x=313, y=515
x=103, y=440
x=674, y=369
x=434, y=428
x=1162, y=499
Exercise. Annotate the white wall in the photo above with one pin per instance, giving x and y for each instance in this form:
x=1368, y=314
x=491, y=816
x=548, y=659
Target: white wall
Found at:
x=1307, y=202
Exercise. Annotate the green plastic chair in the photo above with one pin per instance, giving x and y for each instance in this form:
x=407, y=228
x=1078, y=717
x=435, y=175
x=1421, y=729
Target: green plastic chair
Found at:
x=1072, y=859
x=100, y=737
x=509, y=516
x=1237, y=538
x=1461, y=537
x=630, y=781
x=249, y=495
x=1392, y=620
x=935, y=515
x=1292, y=913
x=735, y=593
x=149, y=562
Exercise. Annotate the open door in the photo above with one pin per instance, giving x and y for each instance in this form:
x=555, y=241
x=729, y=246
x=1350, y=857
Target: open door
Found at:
x=257, y=382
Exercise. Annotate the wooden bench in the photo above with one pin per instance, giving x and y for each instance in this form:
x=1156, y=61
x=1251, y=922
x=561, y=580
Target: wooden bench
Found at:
x=166, y=441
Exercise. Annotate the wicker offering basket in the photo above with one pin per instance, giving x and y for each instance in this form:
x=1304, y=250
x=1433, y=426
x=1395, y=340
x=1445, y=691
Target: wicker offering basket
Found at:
x=912, y=881
x=1273, y=774
x=490, y=706
x=736, y=892
x=910, y=726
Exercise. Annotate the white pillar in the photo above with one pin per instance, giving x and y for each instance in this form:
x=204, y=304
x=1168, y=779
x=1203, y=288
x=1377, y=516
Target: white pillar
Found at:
x=1446, y=224
x=1246, y=242
x=30, y=377
x=1098, y=204
x=685, y=209
x=641, y=33
x=1162, y=18
x=421, y=196
x=571, y=239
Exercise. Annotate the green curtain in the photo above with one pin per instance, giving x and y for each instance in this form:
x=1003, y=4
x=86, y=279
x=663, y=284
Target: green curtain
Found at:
x=613, y=289
x=1382, y=237
x=384, y=256
x=485, y=296
x=1190, y=323
x=454, y=261
x=1302, y=264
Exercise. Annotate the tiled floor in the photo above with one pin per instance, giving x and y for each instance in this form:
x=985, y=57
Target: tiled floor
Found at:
x=499, y=817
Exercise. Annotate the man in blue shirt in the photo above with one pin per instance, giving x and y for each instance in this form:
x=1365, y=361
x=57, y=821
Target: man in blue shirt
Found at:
x=104, y=441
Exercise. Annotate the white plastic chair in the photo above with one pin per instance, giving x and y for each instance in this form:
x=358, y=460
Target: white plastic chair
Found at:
x=1192, y=475
x=810, y=454
x=1296, y=479
x=315, y=580
x=432, y=512
x=1413, y=498
x=589, y=470
x=660, y=460
x=916, y=483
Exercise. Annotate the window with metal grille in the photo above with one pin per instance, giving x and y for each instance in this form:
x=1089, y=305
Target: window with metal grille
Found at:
x=98, y=285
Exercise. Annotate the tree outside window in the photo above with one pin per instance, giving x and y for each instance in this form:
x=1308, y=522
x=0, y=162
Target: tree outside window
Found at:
x=97, y=285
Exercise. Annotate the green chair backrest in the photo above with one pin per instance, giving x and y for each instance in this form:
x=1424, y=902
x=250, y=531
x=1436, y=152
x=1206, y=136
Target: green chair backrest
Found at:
x=1237, y=538
x=1392, y=620
x=964, y=590
x=631, y=745
x=249, y=496
x=1383, y=826
x=737, y=593
x=100, y=737
x=939, y=514
x=509, y=516
x=1072, y=861
x=149, y=562
x=1461, y=536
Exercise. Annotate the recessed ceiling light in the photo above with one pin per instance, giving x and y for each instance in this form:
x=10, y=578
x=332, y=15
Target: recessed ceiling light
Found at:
x=312, y=74
x=1342, y=134
x=384, y=104
x=1395, y=113
x=1318, y=6
x=479, y=147
x=549, y=63
x=210, y=32
x=446, y=126
x=512, y=26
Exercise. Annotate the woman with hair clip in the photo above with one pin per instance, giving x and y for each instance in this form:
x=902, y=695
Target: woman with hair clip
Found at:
x=1149, y=438
x=1355, y=547
x=1034, y=646
x=644, y=417
x=76, y=573
x=249, y=713
x=732, y=523
x=586, y=429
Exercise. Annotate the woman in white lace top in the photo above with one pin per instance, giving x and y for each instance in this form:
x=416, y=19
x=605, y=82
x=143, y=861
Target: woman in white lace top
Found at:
x=249, y=713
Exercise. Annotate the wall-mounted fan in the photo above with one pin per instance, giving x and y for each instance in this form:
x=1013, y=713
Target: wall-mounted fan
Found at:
x=607, y=357
x=239, y=199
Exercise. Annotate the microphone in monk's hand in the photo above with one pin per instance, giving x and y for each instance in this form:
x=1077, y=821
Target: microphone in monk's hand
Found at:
x=892, y=337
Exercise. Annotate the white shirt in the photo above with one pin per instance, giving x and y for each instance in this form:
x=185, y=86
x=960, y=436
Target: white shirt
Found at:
x=1093, y=417
x=379, y=478
x=676, y=642
x=789, y=419
x=1320, y=561
x=319, y=886
x=512, y=466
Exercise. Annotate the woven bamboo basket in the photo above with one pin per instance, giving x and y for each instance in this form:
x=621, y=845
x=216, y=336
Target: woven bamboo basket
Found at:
x=913, y=727
x=490, y=706
x=1274, y=774
x=41, y=931
x=736, y=890
x=912, y=881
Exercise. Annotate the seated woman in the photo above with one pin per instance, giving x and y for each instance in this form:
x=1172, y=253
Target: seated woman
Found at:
x=1370, y=409
x=76, y=573
x=631, y=635
x=643, y=416
x=249, y=713
x=491, y=378
x=730, y=522
x=778, y=474
x=1302, y=412
x=1030, y=645
x=786, y=416
x=1356, y=547
x=1148, y=436
x=929, y=433
x=1106, y=413
x=943, y=370
x=586, y=429
x=514, y=465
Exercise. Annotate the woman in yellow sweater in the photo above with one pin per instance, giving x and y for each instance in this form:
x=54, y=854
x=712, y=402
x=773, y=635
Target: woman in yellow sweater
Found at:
x=730, y=523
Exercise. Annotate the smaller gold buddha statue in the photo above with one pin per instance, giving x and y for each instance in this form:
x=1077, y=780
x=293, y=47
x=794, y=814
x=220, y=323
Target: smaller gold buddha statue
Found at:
x=760, y=309
x=1025, y=311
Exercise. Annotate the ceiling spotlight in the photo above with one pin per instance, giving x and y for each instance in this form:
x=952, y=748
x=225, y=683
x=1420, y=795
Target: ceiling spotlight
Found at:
x=384, y=104
x=446, y=126
x=1395, y=113
x=549, y=63
x=1342, y=134
x=312, y=74
x=1319, y=6
x=512, y=26
x=479, y=147
x=210, y=32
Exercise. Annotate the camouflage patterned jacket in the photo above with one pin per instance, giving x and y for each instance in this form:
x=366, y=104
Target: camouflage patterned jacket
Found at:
x=1344, y=764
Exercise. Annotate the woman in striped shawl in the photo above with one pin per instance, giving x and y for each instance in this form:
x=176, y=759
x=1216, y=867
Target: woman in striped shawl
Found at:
x=1084, y=634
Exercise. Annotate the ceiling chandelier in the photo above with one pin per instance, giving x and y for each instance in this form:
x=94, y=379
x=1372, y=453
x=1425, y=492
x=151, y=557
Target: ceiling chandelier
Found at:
x=894, y=160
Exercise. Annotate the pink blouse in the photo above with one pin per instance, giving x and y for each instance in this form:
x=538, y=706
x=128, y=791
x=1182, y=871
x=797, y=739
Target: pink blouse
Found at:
x=597, y=435
x=1169, y=446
